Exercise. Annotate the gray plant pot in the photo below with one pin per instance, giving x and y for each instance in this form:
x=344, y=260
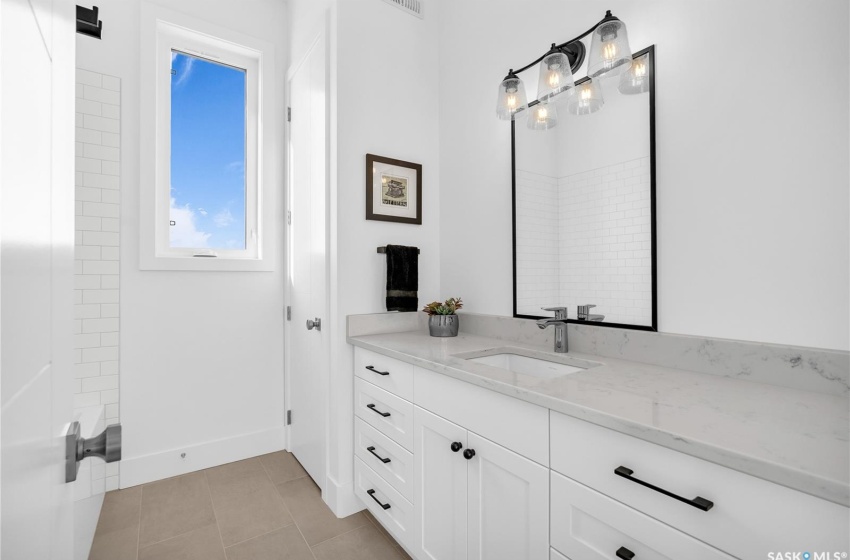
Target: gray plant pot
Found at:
x=443, y=325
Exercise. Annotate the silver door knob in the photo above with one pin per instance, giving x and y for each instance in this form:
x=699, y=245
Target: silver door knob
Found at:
x=314, y=324
x=106, y=445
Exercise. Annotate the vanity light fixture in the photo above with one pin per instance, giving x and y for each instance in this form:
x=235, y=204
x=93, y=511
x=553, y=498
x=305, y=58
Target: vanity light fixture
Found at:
x=610, y=56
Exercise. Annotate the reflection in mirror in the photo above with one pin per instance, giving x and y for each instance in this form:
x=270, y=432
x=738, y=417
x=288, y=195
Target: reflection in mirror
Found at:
x=584, y=203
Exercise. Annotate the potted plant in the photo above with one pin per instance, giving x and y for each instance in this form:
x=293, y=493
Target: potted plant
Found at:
x=442, y=319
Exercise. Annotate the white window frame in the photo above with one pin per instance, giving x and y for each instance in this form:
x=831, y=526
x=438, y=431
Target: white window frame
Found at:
x=164, y=31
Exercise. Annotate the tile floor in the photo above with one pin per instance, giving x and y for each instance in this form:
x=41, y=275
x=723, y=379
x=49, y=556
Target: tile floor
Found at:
x=265, y=508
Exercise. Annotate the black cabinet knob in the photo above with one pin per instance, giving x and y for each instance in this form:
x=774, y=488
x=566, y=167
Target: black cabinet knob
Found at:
x=469, y=454
x=457, y=446
x=625, y=553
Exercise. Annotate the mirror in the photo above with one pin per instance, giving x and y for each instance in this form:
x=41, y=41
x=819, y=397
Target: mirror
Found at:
x=584, y=207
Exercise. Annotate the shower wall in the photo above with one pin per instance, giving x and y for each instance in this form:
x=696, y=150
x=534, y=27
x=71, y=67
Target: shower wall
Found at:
x=96, y=254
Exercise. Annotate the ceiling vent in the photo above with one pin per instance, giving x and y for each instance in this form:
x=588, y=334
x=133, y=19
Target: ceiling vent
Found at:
x=412, y=7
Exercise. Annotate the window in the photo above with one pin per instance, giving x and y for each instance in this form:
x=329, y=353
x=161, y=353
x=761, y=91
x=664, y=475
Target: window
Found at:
x=207, y=203
x=202, y=190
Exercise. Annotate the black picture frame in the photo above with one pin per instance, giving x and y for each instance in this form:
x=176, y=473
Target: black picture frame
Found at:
x=373, y=213
x=650, y=53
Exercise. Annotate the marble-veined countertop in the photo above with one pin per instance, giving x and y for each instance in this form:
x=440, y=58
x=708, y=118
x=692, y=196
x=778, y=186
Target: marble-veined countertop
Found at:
x=788, y=436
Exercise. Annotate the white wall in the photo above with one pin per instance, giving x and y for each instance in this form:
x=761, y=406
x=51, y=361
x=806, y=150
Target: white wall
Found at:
x=201, y=352
x=384, y=101
x=752, y=157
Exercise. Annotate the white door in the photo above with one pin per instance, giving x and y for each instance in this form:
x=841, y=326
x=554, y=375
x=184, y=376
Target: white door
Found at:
x=440, y=487
x=308, y=182
x=36, y=276
x=508, y=502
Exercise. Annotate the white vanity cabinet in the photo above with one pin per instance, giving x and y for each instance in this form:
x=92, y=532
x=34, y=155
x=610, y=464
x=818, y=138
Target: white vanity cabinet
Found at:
x=474, y=498
x=455, y=471
x=739, y=514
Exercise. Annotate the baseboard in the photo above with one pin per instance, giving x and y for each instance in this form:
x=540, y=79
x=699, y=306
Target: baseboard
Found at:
x=341, y=498
x=157, y=466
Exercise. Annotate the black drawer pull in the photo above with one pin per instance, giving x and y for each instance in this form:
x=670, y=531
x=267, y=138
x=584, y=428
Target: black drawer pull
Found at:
x=469, y=454
x=372, y=368
x=373, y=409
x=371, y=449
x=698, y=502
x=456, y=446
x=625, y=553
x=372, y=493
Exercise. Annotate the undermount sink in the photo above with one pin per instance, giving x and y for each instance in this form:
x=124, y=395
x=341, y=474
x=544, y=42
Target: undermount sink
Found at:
x=512, y=360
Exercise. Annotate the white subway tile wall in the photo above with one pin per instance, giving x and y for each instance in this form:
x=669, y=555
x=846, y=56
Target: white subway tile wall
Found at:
x=601, y=251
x=538, y=244
x=97, y=251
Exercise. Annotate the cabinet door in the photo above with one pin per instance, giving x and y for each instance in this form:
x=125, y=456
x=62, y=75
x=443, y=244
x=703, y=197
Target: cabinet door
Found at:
x=440, y=482
x=508, y=500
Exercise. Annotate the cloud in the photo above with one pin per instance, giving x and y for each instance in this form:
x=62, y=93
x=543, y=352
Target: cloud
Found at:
x=237, y=165
x=202, y=212
x=184, y=73
x=184, y=232
x=223, y=218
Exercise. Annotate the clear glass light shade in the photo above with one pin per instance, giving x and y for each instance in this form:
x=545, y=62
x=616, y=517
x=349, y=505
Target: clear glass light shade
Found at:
x=610, y=54
x=556, y=77
x=542, y=116
x=636, y=79
x=511, y=98
x=586, y=98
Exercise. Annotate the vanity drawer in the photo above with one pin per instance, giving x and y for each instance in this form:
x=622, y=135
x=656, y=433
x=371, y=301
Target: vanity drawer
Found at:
x=387, y=373
x=384, y=411
x=590, y=526
x=384, y=456
x=749, y=517
x=518, y=425
x=388, y=506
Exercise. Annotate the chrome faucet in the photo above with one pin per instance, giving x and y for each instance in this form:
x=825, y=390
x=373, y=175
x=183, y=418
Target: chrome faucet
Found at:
x=584, y=313
x=560, y=324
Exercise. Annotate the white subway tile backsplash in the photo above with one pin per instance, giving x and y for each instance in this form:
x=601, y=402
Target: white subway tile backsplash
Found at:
x=109, y=309
x=101, y=123
x=111, y=168
x=88, y=107
x=86, y=370
x=109, y=367
x=100, y=383
x=82, y=400
x=110, y=224
x=96, y=265
x=100, y=296
x=102, y=95
x=100, y=209
x=87, y=165
x=101, y=180
x=583, y=234
x=111, y=83
x=86, y=77
x=111, y=111
x=99, y=355
x=102, y=238
x=101, y=152
x=100, y=325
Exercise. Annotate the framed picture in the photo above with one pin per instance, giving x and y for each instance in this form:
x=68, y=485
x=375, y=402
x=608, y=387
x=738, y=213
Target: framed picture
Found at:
x=393, y=190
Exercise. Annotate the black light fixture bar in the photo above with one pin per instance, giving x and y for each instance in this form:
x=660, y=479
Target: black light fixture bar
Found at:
x=87, y=22
x=577, y=55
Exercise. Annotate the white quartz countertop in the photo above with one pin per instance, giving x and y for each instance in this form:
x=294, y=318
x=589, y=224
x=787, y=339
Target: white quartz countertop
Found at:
x=791, y=437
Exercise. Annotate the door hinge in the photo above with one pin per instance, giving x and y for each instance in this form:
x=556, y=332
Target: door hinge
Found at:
x=289, y=114
x=289, y=217
x=288, y=417
x=288, y=312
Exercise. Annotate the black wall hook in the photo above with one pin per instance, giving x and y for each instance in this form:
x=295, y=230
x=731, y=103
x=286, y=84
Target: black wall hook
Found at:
x=87, y=22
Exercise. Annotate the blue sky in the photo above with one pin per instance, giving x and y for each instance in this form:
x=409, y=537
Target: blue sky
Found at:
x=207, y=154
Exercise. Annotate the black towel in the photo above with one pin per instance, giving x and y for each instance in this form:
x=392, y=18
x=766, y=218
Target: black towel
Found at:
x=402, y=278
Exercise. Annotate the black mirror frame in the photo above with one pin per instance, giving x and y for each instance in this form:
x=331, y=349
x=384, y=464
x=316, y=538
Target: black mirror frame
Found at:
x=650, y=51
